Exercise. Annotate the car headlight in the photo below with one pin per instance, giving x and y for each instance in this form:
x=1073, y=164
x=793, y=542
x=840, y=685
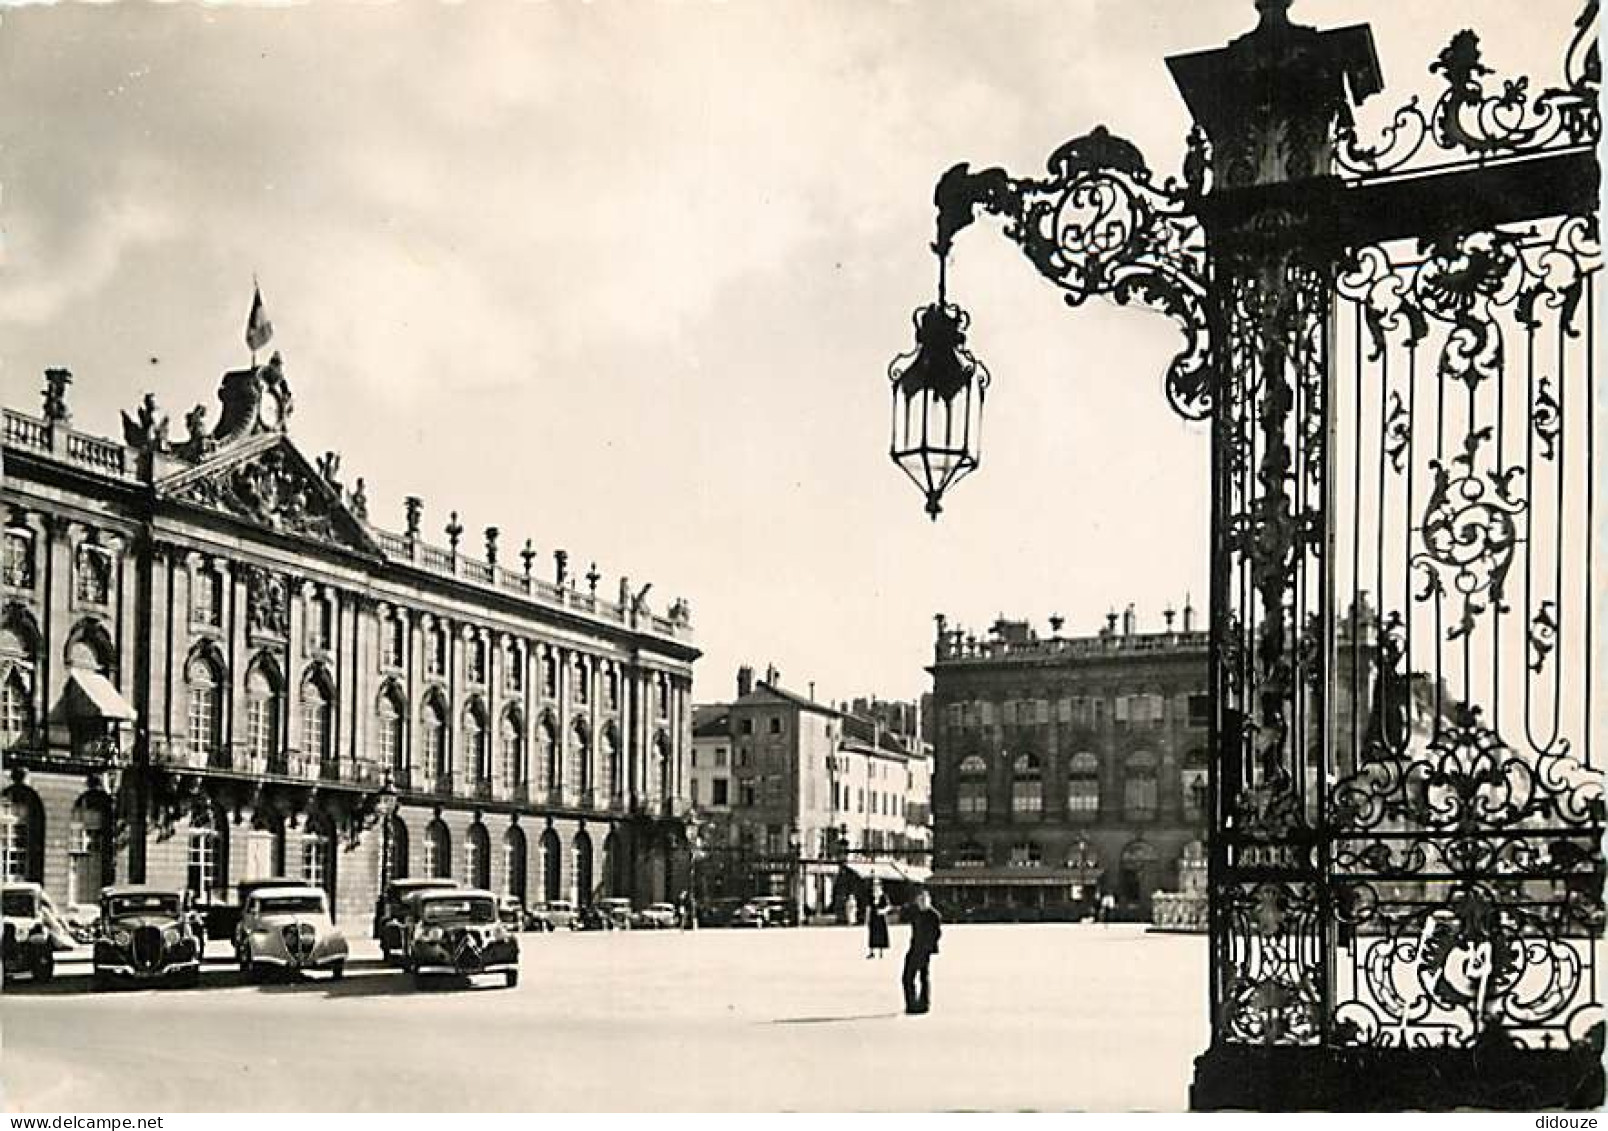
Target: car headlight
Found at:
x=499, y=933
x=171, y=936
x=430, y=934
x=122, y=938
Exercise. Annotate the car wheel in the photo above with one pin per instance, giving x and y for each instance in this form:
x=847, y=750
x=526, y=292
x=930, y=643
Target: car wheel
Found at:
x=190, y=979
x=100, y=981
x=420, y=981
x=512, y=978
x=249, y=967
x=338, y=971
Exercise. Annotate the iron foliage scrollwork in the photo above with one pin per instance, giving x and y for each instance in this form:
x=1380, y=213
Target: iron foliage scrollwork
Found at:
x=1099, y=225
x=1470, y=121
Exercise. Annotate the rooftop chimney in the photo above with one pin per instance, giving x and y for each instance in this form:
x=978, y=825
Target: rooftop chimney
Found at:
x=745, y=681
x=1128, y=620
x=812, y=691
x=1189, y=615
x=772, y=676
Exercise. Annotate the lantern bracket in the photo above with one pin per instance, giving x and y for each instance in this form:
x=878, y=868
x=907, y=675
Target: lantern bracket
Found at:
x=1099, y=225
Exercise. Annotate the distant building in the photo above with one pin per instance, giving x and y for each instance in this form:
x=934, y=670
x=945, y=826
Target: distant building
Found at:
x=796, y=796
x=1068, y=767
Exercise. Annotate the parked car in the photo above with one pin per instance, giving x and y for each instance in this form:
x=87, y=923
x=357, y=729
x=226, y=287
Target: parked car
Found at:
x=731, y=912
x=82, y=922
x=222, y=920
x=618, y=911
x=391, y=907
x=593, y=918
x=148, y=934
x=553, y=915
x=32, y=932
x=511, y=912
x=456, y=932
x=289, y=928
x=657, y=916
x=777, y=910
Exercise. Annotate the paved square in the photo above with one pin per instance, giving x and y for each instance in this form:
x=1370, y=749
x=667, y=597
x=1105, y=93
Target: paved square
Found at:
x=1025, y=1017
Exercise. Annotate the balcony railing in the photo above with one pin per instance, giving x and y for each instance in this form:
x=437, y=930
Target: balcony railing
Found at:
x=480, y=789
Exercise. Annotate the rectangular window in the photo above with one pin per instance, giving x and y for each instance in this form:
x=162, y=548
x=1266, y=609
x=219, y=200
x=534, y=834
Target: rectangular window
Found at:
x=94, y=575
x=775, y=725
x=19, y=571
x=746, y=727
x=745, y=794
x=312, y=861
x=207, y=607
x=201, y=873
x=322, y=628
x=719, y=790
x=695, y=791
x=720, y=757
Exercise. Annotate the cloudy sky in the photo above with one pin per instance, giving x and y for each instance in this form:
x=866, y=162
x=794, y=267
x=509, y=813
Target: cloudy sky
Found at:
x=624, y=278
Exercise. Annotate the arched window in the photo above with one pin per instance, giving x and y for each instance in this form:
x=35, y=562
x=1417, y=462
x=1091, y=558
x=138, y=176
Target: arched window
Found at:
x=391, y=712
x=1027, y=786
x=552, y=867
x=89, y=648
x=474, y=743
x=477, y=857
x=1083, y=785
x=16, y=709
x=547, y=754
x=437, y=850
x=262, y=718
x=397, y=865
x=1194, y=778
x=514, y=863
x=22, y=835
x=433, y=733
x=1139, y=793
x=203, y=685
x=511, y=744
x=971, y=795
x=580, y=756
x=316, y=741
x=89, y=848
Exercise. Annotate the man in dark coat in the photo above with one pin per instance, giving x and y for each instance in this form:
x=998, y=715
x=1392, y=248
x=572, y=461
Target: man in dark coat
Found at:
x=926, y=927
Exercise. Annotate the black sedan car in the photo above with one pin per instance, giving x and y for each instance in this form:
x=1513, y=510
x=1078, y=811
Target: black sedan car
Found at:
x=147, y=936
x=456, y=932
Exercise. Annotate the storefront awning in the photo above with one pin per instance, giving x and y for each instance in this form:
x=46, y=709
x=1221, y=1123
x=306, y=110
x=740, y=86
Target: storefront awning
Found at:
x=90, y=695
x=877, y=870
x=1014, y=877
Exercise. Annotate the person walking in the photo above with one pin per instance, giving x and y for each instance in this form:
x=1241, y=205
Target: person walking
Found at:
x=876, y=922
x=926, y=927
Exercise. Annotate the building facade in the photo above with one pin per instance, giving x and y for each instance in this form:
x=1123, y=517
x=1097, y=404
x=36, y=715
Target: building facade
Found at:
x=804, y=799
x=215, y=667
x=1068, y=767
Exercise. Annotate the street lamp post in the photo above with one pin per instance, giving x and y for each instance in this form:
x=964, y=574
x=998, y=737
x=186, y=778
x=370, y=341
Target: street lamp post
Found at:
x=1445, y=248
x=795, y=846
x=385, y=805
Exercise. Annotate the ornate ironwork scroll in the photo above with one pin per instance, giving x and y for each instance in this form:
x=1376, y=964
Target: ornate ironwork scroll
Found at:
x=1466, y=810
x=1468, y=121
x=1099, y=225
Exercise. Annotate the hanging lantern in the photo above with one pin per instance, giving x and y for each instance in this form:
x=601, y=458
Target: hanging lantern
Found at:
x=938, y=404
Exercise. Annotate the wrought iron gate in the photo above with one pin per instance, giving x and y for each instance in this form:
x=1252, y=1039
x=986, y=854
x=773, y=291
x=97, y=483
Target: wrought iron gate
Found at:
x=1406, y=867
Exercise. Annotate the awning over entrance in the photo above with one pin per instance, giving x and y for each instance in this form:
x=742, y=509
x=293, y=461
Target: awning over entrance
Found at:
x=1016, y=877
x=877, y=870
x=90, y=696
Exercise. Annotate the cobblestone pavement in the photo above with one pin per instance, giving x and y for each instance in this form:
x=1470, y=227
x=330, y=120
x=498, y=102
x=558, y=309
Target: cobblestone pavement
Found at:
x=1024, y=1017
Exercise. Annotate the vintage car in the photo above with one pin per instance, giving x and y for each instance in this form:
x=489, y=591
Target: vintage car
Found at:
x=731, y=912
x=553, y=915
x=391, y=909
x=617, y=911
x=147, y=935
x=289, y=928
x=32, y=932
x=456, y=932
x=777, y=910
x=223, y=919
x=657, y=916
x=512, y=912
